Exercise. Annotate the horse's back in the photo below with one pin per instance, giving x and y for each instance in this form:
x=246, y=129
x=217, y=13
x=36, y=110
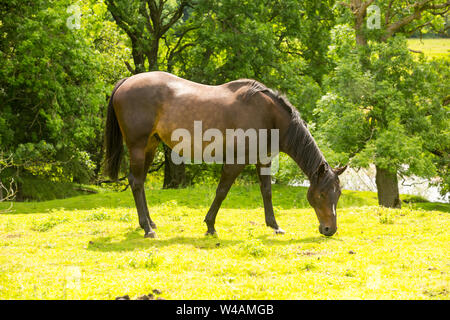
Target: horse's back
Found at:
x=167, y=88
x=162, y=102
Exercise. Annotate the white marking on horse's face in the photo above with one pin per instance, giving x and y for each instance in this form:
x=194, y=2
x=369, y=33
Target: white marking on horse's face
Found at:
x=334, y=209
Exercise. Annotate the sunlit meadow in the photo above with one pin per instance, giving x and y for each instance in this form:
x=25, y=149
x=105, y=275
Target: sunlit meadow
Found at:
x=91, y=247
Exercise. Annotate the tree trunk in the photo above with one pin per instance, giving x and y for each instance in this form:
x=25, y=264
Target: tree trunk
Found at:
x=174, y=174
x=138, y=58
x=387, y=186
x=359, y=13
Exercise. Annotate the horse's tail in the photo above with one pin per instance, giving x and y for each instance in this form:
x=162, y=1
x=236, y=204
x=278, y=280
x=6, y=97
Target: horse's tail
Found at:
x=113, y=138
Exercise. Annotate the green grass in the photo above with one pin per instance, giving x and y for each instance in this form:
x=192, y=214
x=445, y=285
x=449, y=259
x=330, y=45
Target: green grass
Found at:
x=38, y=189
x=433, y=48
x=91, y=247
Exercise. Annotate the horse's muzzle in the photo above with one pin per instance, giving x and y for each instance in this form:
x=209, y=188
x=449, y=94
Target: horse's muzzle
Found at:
x=327, y=231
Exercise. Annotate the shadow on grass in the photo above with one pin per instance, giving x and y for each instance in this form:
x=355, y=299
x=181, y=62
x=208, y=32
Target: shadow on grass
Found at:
x=239, y=197
x=278, y=241
x=134, y=240
x=432, y=206
x=201, y=196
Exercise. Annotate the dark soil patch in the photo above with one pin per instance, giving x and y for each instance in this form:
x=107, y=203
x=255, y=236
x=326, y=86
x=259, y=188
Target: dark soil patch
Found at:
x=150, y=296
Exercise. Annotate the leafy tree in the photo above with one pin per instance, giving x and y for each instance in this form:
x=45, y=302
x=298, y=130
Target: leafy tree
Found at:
x=147, y=23
x=109, y=45
x=280, y=43
x=383, y=105
x=8, y=187
x=283, y=45
x=51, y=92
x=395, y=16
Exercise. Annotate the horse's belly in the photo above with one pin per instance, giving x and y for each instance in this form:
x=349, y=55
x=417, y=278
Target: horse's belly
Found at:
x=214, y=134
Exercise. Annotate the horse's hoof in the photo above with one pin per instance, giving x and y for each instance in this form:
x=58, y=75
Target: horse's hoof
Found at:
x=151, y=234
x=211, y=234
x=279, y=231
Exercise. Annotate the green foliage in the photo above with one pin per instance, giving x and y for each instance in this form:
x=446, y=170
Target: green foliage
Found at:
x=288, y=171
x=283, y=45
x=308, y=266
x=383, y=106
x=254, y=247
x=98, y=216
x=410, y=18
x=54, y=82
x=144, y=261
x=399, y=103
x=39, y=189
x=45, y=224
x=386, y=217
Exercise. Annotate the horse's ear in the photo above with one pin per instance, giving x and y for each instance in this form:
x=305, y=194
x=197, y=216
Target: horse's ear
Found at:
x=339, y=171
x=321, y=170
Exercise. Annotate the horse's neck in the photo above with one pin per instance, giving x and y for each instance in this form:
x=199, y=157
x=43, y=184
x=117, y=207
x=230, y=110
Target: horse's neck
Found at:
x=308, y=169
x=301, y=147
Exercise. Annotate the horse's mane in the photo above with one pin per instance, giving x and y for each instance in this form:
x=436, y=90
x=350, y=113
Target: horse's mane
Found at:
x=254, y=87
x=298, y=141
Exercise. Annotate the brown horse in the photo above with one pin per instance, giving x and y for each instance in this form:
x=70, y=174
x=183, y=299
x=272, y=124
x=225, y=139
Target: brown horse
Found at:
x=148, y=107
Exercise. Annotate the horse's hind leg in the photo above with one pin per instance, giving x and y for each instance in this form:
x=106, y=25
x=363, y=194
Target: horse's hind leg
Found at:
x=138, y=171
x=266, y=192
x=149, y=156
x=229, y=174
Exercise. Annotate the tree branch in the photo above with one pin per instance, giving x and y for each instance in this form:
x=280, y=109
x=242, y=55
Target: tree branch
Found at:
x=133, y=71
x=419, y=7
x=144, y=12
x=388, y=12
x=438, y=6
x=118, y=17
x=174, y=51
x=175, y=17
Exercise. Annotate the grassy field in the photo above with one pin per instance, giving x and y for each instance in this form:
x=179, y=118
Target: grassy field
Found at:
x=433, y=48
x=91, y=247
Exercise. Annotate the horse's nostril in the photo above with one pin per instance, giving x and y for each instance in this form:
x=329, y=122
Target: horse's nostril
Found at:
x=326, y=229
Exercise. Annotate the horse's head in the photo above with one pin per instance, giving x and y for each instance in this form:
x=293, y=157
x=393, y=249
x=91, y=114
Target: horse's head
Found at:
x=323, y=195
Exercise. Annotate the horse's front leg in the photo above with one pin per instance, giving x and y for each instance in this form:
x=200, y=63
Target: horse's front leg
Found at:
x=265, y=181
x=229, y=174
